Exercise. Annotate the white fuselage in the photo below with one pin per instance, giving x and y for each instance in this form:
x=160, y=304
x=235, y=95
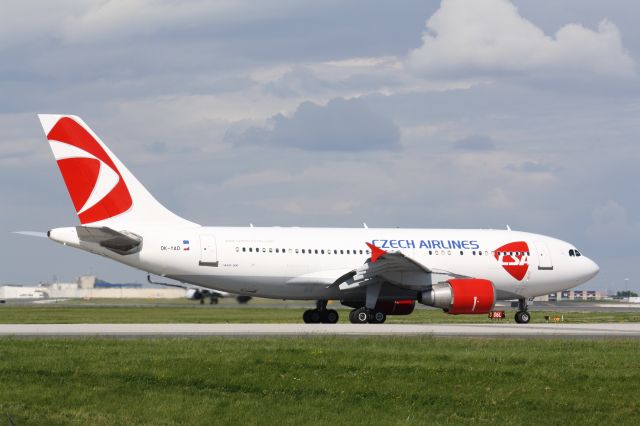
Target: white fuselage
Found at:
x=302, y=263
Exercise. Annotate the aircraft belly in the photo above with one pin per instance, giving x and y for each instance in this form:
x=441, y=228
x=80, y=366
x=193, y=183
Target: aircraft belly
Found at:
x=261, y=286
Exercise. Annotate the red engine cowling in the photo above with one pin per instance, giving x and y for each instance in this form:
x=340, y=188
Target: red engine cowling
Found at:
x=461, y=296
x=395, y=307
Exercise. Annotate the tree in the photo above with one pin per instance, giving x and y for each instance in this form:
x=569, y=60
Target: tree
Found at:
x=625, y=294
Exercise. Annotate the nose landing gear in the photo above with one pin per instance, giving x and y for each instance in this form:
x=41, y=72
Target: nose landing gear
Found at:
x=522, y=316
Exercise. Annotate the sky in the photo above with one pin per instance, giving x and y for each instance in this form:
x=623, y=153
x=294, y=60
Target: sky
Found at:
x=429, y=114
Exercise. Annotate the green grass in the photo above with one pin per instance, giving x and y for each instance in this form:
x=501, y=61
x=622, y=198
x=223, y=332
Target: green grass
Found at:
x=39, y=314
x=323, y=380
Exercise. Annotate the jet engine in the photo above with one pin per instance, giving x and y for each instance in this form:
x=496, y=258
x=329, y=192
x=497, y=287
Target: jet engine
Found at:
x=461, y=296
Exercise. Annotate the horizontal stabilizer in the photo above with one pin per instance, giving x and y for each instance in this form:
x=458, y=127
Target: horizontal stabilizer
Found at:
x=32, y=234
x=121, y=242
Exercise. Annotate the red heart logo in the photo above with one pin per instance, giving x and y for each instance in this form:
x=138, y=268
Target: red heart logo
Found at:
x=514, y=258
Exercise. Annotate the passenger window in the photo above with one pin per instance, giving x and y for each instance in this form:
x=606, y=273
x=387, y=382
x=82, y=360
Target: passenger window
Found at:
x=430, y=252
x=461, y=253
x=244, y=249
x=361, y=252
x=270, y=250
x=251, y=249
x=341, y=251
x=303, y=251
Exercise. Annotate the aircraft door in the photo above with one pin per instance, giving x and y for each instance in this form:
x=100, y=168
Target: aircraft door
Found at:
x=544, y=256
x=208, y=251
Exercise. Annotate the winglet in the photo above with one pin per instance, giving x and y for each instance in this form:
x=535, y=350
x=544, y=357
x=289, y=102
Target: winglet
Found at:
x=375, y=252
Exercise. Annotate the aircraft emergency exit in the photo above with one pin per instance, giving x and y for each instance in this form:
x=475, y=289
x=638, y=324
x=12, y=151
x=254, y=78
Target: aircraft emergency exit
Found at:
x=377, y=272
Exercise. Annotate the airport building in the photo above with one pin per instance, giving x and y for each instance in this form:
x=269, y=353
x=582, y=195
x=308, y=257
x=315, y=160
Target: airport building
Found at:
x=89, y=287
x=573, y=295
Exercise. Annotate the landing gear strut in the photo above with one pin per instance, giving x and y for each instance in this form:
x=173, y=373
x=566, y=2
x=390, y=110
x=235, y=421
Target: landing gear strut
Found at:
x=321, y=314
x=522, y=316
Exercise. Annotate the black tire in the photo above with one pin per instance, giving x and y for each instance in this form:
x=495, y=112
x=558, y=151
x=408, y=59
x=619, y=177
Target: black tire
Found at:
x=330, y=316
x=377, y=317
x=522, y=317
x=315, y=316
x=214, y=301
x=306, y=316
x=359, y=316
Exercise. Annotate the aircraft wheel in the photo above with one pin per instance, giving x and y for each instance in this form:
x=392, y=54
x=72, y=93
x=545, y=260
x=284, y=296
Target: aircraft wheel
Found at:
x=214, y=301
x=359, y=316
x=330, y=316
x=523, y=317
x=311, y=316
x=378, y=317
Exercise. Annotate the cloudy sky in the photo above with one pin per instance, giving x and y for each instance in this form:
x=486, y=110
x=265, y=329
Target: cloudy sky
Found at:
x=413, y=114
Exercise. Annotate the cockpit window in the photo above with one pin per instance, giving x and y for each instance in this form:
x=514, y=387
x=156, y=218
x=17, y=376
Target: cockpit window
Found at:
x=572, y=253
x=577, y=253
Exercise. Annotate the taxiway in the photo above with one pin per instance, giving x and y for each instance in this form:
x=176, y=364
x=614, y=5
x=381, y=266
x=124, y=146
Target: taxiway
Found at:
x=294, y=330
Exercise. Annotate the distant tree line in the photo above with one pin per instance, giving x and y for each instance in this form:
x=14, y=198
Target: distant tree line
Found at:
x=625, y=294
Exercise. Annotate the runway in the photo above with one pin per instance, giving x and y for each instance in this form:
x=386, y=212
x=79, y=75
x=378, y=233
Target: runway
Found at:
x=294, y=330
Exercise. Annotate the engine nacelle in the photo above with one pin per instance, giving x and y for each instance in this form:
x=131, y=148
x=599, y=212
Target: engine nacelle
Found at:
x=395, y=307
x=461, y=296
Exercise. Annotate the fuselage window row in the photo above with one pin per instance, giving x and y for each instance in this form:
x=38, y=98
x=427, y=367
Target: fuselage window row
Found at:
x=355, y=252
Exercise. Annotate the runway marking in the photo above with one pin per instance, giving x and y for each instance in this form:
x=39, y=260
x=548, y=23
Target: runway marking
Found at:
x=239, y=330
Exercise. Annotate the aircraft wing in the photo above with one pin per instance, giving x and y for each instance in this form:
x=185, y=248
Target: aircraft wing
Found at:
x=121, y=242
x=388, y=266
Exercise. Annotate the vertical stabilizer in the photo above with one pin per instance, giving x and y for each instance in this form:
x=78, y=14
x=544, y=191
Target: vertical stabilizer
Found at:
x=103, y=191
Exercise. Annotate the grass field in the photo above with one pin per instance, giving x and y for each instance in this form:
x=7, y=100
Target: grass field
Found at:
x=324, y=380
x=38, y=314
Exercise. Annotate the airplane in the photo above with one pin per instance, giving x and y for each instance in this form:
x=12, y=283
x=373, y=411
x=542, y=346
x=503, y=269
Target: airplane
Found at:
x=199, y=293
x=375, y=271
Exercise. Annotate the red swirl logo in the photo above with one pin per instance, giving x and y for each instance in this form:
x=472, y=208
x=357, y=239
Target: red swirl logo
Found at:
x=96, y=187
x=514, y=258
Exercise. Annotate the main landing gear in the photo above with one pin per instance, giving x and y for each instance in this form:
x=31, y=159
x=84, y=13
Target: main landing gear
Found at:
x=522, y=316
x=321, y=314
x=365, y=315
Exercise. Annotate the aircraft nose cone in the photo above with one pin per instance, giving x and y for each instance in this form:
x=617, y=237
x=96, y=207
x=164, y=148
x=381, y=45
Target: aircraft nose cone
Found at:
x=591, y=269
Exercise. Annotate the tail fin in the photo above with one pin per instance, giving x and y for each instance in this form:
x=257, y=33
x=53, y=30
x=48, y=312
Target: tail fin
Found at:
x=102, y=189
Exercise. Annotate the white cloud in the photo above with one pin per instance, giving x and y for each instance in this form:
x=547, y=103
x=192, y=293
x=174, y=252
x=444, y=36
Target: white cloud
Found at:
x=490, y=37
x=611, y=218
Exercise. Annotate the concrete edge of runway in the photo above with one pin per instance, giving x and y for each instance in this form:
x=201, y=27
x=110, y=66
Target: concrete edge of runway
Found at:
x=599, y=330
